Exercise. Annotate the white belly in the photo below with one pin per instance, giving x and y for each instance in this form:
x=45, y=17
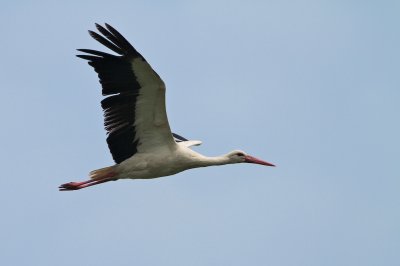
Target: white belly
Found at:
x=152, y=165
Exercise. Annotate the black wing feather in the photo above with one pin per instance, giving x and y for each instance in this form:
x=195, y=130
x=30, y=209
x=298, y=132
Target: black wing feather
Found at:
x=179, y=138
x=105, y=42
x=118, y=80
x=94, y=52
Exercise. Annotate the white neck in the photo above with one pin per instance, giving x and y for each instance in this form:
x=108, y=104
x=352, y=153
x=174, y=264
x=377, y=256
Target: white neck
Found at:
x=210, y=161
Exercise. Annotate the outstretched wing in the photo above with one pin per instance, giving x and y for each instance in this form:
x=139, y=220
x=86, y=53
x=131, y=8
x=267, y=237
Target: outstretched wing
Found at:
x=178, y=138
x=184, y=141
x=134, y=111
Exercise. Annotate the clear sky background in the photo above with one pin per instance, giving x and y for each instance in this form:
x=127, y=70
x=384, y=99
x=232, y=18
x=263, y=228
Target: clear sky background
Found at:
x=312, y=86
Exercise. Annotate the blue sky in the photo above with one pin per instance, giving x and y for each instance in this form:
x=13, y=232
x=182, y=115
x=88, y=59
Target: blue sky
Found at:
x=312, y=86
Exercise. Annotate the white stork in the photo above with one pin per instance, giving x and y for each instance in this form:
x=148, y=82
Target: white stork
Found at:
x=139, y=137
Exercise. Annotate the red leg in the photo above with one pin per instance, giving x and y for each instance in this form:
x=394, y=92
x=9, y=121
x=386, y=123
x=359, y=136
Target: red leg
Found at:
x=78, y=185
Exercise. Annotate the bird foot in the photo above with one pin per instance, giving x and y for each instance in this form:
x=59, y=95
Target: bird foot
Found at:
x=71, y=186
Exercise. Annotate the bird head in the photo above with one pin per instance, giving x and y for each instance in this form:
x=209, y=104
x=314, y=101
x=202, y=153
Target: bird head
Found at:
x=238, y=156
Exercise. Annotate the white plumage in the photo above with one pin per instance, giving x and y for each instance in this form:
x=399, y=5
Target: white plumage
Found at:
x=139, y=136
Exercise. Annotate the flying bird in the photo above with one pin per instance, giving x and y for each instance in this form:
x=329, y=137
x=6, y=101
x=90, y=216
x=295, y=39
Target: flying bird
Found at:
x=138, y=134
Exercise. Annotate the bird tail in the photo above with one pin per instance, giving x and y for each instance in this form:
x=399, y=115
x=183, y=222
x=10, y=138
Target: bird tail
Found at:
x=102, y=173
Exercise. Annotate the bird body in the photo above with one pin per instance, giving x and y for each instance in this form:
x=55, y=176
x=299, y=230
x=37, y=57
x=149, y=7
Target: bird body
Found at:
x=139, y=136
x=160, y=162
x=164, y=162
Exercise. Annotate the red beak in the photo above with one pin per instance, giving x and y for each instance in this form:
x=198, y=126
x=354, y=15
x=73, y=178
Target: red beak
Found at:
x=251, y=159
